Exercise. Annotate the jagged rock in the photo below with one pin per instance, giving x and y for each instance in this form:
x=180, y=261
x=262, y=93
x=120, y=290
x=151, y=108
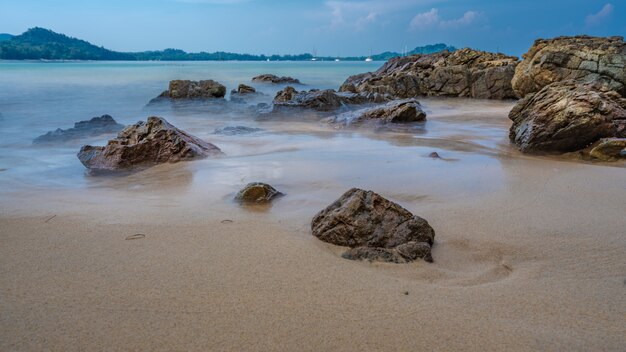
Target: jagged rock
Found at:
x=608, y=149
x=244, y=89
x=322, y=100
x=397, y=111
x=94, y=127
x=235, y=130
x=374, y=228
x=461, y=73
x=269, y=78
x=186, y=89
x=567, y=116
x=582, y=59
x=257, y=192
x=144, y=144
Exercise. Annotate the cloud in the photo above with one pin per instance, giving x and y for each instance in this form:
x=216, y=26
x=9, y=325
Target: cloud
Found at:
x=360, y=14
x=598, y=18
x=431, y=19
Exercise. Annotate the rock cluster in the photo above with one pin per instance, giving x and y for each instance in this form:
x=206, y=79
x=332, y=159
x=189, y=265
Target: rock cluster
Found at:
x=374, y=228
x=461, y=73
x=143, y=144
x=94, y=127
x=243, y=89
x=186, y=89
x=582, y=59
x=322, y=100
x=572, y=92
x=396, y=111
x=269, y=78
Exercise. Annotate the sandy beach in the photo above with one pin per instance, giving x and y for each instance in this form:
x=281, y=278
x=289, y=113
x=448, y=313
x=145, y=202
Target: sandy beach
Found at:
x=528, y=254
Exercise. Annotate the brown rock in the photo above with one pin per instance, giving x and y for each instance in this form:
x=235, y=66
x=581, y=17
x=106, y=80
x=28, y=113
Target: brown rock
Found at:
x=374, y=227
x=257, y=192
x=269, y=78
x=608, y=149
x=144, y=144
x=244, y=89
x=461, y=73
x=322, y=100
x=567, y=116
x=582, y=59
x=185, y=89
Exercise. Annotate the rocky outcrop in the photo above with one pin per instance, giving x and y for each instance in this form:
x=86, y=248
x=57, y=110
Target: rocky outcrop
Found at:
x=257, y=192
x=582, y=59
x=94, y=127
x=608, y=149
x=322, y=100
x=269, y=78
x=243, y=89
x=144, y=144
x=461, y=73
x=374, y=228
x=185, y=89
x=397, y=111
x=567, y=116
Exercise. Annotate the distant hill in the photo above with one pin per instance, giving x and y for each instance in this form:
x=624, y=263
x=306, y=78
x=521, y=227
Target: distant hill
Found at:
x=44, y=44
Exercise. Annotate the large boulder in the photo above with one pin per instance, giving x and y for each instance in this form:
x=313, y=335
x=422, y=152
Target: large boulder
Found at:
x=322, y=100
x=461, y=73
x=567, y=116
x=269, y=78
x=143, y=144
x=374, y=228
x=582, y=59
x=94, y=127
x=397, y=111
x=186, y=89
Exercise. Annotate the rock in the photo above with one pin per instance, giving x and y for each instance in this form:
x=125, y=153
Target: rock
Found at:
x=269, y=78
x=235, y=130
x=244, y=89
x=461, y=73
x=144, y=144
x=582, y=59
x=397, y=111
x=257, y=192
x=322, y=100
x=374, y=228
x=608, y=149
x=94, y=127
x=567, y=116
x=185, y=89
x=434, y=155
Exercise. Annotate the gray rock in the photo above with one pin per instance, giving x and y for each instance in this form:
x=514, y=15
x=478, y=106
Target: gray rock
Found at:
x=374, y=228
x=94, y=127
x=186, y=89
x=270, y=78
x=322, y=100
x=397, y=111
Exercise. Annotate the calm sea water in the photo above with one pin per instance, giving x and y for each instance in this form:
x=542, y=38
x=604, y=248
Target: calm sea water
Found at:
x=302, y=156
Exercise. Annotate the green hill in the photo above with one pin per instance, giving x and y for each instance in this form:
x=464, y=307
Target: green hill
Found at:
x=44, y=44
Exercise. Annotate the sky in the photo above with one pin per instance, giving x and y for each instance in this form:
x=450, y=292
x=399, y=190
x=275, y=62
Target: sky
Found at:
x=330, y=27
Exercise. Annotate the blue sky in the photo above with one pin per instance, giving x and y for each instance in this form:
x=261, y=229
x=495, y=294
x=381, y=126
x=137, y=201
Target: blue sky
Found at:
x=333, y=27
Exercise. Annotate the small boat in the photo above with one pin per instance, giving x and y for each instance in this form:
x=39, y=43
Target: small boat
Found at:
x=337, y=60
x=369, y=58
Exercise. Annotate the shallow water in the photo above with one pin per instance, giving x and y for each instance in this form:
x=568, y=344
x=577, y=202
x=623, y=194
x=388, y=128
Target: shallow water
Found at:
x=298, y=153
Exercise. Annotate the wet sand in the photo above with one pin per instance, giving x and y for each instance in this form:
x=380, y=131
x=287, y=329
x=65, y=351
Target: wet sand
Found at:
x=529, y=251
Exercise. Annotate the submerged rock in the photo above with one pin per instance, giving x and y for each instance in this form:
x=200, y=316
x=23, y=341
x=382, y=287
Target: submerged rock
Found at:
x=567, y=116
x=270, y=78
x=186, y=89
x=143, y=144
x=461, y=73
x=235, y=130
x=374, y=228
x=322, y=100
x=257, y=192
x=94, y=127
x=243, y=89
x=608, y=149
x=582, y=59
x=397, y=111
